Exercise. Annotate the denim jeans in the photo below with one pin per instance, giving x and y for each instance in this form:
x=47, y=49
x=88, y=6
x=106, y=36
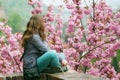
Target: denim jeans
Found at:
x=50, y=59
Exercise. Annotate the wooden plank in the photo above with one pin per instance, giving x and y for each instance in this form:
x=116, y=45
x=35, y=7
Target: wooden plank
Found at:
x=43, y=76
x=71, y=75
x=17, y=77
x=8, y=78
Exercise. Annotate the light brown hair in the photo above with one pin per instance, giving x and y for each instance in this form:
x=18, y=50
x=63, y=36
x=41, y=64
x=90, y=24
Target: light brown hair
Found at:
x=34, y=25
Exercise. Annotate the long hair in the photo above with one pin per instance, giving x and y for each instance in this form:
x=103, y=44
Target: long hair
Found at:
x=34, y=25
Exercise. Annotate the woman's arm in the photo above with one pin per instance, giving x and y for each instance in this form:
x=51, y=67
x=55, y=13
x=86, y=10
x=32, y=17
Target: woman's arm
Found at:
x=39, y=44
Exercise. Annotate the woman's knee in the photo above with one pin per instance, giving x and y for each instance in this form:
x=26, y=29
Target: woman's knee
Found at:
x=52, y=53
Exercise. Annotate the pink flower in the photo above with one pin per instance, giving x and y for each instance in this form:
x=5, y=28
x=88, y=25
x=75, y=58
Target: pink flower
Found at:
x=49, y=16
x=31, y=2
x=33, y=11
x=87, y=11
x=39, y=4
x=91, y=55
x=93, y=71
x=79, y=16
x=70, y=5
x=91, y=26
x=7, y=30
x=50, y=29
x=118, y=76
x=118, y=31
x=77, y=2
x=118, y=15
x=75, y=45
x=70, y=27
x=59, y=32
x=38, y=10
x=18, y=36
x=85, y=62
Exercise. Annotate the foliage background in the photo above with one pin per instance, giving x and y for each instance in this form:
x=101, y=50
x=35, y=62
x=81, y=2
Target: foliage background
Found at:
x=17, y=12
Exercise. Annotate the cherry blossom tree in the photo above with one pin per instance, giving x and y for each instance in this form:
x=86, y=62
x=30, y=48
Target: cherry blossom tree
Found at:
x=91, y=47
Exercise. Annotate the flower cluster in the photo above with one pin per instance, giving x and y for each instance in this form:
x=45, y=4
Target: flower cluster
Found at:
x=10, y=50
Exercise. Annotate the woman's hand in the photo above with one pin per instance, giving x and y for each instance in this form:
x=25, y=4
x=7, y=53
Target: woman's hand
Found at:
x=64, y=62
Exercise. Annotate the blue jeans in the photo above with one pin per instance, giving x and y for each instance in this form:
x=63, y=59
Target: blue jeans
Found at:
x=50, y=58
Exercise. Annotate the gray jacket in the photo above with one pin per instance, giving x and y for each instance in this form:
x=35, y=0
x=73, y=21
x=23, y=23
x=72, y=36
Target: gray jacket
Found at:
x=33, y=49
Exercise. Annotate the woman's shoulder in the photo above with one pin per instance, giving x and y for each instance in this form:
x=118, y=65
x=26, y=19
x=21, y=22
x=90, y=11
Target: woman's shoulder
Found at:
x=36, y=35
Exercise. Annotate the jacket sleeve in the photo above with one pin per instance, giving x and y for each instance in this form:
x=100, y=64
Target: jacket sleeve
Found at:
x=39, y=44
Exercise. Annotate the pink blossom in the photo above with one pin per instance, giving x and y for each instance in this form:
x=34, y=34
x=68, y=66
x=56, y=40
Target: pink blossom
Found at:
x=71, y=28
x=118, y=15
x=39, y=4
x=18, y=36
x=115, y=46
x=91, y=26
x=73, y=12
x=31, y=2
x=70, y=5
x=83, y=47
x=112, y=27
x=85, y=62
x=91, y=56
x=79, y=13
x=38, y=10
x=77, y=2
x=118, y=76
x=93, y=71
x=8, y=30
x=105, y=61
x=118, y=31
x=59, y=32
x=49, y=16
x=77, y=38
x=76, y=45
x=50, y=29
x=79, y=16
x=33, y=11
x=87, y=11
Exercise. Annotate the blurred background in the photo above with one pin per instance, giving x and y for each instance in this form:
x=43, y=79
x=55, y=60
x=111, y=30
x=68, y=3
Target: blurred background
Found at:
x=18, y=12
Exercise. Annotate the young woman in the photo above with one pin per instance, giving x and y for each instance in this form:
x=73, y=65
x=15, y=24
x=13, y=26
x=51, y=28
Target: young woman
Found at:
x=37, y=54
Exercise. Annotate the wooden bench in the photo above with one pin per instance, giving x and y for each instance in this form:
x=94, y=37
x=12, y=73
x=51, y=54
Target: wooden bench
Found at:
x=69, y=75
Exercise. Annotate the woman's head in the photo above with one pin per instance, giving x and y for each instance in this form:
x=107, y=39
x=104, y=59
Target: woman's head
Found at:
x=35, y=25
